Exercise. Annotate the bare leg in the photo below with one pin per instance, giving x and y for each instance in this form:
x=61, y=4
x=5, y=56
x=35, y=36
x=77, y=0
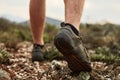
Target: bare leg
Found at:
x=73, y=12
x=37, y=19
x=69, y=44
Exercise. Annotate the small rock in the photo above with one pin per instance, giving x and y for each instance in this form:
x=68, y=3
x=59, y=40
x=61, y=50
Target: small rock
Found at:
x=4, y=75
x=2, y=45
x=57, y=65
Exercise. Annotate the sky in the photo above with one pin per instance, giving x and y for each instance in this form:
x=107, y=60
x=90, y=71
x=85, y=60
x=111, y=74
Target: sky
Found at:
x=95, y=11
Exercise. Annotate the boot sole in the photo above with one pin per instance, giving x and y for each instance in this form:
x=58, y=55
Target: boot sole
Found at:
x=74, y=62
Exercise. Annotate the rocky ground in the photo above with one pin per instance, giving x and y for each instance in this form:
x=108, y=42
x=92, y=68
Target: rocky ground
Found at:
x=20, y=67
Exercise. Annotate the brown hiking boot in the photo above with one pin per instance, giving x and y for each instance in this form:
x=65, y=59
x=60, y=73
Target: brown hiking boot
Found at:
x=71, y=46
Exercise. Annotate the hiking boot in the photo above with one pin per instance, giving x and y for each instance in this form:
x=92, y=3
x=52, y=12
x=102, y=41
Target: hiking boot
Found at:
x=37, y=54
x=71, y=46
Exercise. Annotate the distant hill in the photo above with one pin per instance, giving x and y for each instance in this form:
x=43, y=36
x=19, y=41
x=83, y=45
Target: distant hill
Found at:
x=48, y=20
x=13, y=18
x=53, y=21
x=27, y=23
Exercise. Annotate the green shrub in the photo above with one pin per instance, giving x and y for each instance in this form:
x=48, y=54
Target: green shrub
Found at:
x=4, y=56
x=53, y=53
x=50, y=32
x=13, y=33
x=104, y=54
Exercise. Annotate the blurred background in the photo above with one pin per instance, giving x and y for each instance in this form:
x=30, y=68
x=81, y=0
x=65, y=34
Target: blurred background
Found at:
x=100, y=25
x=95, y=11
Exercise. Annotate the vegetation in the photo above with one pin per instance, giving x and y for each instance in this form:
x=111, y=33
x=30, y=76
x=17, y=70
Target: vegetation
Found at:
x=4, y=56
x=104, y=39
x=50, y=31
x=13, y=33
x=104, y=54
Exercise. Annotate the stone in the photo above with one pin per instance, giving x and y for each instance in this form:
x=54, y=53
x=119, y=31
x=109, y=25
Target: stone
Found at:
x=4, y=75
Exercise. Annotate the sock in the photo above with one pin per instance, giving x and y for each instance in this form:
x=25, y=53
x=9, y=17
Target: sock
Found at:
x=38, y=45
x=73, y=28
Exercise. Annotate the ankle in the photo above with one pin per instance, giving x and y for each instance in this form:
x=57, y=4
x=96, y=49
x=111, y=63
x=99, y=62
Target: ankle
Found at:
x=38, y=45
x=75, y=24
x=76, y=31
